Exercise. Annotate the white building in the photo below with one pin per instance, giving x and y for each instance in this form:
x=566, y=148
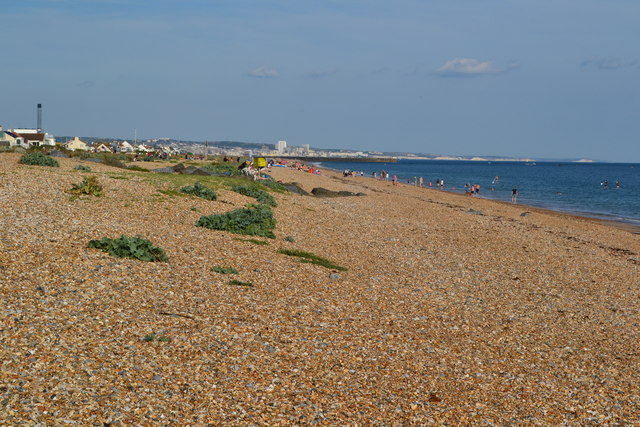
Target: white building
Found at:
x=33, y=138
x=281, y=147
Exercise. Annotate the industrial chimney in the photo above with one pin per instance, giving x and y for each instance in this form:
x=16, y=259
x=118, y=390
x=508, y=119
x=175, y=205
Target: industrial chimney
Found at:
x=39, y=118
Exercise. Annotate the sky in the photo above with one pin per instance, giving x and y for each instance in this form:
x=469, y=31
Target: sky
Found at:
x=519, y=78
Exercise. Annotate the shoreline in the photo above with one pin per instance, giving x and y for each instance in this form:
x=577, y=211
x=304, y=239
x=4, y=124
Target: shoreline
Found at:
x=629, y=226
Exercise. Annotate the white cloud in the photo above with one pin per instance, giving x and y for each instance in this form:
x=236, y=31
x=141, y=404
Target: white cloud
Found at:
x=467, y=67
x=607, y=63
x=265, y=73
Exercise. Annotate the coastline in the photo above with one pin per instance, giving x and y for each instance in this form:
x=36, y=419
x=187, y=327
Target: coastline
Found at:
x=451, y=310
x=621, y=224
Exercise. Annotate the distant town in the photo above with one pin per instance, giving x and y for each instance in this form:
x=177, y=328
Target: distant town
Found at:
x=27, y=138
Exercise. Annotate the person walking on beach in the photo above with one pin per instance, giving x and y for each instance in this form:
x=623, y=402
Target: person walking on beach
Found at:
x=421, y=182
x=514, y=194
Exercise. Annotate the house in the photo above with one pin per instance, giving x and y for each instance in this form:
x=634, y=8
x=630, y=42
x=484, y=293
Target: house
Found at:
x=99, y=147
x=144, y=148
x=76, y=144
x=122, y=147
x=12, y=139
x=32, y=137
x=35, y=137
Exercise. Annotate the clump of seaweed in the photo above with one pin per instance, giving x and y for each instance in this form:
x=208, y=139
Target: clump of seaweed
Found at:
x=254, y=220
x=82, y=168
x=200, y=190
x=130, y=247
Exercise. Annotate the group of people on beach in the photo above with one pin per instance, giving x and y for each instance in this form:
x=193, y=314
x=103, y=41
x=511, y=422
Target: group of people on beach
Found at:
x=471, y=189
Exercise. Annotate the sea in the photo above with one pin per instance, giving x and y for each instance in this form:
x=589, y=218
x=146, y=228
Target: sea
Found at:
x=586, y=189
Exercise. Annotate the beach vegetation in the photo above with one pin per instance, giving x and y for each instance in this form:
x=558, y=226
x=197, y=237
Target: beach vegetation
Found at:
x=289, y=239
x=130, y=247
x=229, y=169
x=200, y=190
x=254, y=220
x=254, y=241
x=89, y=185
x=113, y=162
x=36, y=158
x=82, y=168
x=153, y=337
x=239, y=283
x=224, y=270
x=275, y=186
x=171, y=193
x=308, y=257
x=260, y=195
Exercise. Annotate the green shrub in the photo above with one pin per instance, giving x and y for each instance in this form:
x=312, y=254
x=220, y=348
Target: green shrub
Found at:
x=260, y=195
x=254, y=220
x=254, y=241
x=130, y=247
x=200, y=190
x=89, y=185
x=223, y=168
x=310, y=258
x=83, y=168
x=137, y=168
x=223, y=270
x=152, y=336
x=239, y=283
x=112, y=161
x=39, y=159
x=274, y=186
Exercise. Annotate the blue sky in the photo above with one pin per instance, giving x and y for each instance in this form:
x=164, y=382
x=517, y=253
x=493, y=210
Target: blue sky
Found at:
x=543, y=78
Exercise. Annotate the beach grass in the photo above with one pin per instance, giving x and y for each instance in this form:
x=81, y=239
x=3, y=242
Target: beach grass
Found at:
x=308, y=257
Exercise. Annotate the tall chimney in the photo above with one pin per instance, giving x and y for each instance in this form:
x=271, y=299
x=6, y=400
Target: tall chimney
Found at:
x=39, y=118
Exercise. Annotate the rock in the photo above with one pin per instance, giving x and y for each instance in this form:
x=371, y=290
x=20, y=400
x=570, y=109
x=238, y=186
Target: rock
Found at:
x=323, y=192
x=294, y=187
x=192, y=170
x=524, y=214
x=334, y=276
x=179, y=168
x=474, y=212
x=163, y=170
x=201, y=172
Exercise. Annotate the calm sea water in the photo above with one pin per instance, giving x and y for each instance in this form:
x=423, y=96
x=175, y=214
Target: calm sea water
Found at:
x=567, y=187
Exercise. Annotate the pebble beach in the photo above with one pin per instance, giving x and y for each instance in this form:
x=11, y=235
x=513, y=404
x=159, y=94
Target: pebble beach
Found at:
x=453, y=310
